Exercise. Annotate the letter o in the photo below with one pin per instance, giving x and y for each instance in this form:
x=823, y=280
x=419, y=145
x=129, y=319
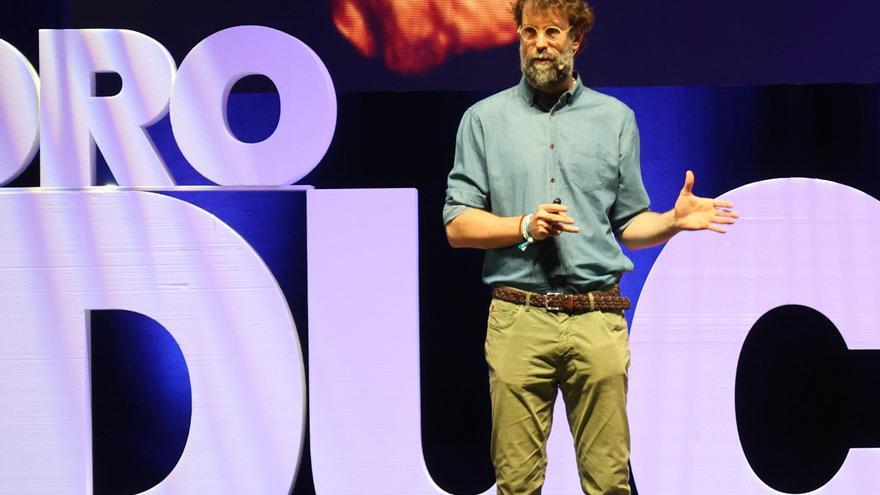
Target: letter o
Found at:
x=201, y=91
x=19, y=113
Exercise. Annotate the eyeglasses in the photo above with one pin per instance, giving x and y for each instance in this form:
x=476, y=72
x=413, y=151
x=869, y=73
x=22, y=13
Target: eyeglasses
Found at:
x=552, y=33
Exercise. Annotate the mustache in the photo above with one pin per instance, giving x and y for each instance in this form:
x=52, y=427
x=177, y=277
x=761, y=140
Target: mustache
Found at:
x=535, y=58
x=556, y=62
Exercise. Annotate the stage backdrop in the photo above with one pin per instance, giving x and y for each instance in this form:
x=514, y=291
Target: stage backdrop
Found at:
x=730, y=136
x=461, y=44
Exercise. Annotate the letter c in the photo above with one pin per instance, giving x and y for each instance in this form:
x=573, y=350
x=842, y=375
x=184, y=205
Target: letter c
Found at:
x=798, y=242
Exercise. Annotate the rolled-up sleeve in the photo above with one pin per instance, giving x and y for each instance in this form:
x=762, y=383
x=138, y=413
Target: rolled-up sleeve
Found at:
x=468, y=183
x=632, y=198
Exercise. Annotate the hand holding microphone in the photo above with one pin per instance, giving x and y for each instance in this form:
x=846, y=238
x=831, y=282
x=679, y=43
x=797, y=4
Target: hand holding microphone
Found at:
x=551, y=220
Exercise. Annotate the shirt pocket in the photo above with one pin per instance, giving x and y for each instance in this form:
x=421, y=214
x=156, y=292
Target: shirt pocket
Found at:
x=592, y=169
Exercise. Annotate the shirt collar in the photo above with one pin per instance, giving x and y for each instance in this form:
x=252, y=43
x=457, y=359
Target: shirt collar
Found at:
x=534, y=98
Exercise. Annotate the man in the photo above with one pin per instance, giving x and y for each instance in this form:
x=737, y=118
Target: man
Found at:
x=547, y=180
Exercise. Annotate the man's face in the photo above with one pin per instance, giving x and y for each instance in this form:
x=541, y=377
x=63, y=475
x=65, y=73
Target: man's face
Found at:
x=545, y=63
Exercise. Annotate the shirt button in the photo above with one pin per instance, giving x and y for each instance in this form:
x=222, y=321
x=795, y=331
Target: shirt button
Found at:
x=552, y=179
x=552, y=146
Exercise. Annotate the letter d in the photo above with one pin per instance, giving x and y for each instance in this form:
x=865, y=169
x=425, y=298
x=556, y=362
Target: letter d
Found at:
x=64, y=253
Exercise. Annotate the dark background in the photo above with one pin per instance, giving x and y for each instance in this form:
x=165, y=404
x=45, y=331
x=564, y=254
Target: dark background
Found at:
x=634, y=42
x=738, y=92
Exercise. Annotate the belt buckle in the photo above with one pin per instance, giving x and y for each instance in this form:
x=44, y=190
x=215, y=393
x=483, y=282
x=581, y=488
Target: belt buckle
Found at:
x=547, y=297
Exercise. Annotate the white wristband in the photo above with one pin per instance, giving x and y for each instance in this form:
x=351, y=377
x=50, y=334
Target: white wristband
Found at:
x=524, y=231
x=524, y=228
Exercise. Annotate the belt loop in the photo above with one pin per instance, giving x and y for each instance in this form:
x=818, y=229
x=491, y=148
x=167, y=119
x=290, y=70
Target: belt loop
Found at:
x=592, y=301
x=528, y=300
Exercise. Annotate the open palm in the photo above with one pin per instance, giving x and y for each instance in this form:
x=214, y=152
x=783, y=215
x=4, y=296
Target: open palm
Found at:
x=695, y=213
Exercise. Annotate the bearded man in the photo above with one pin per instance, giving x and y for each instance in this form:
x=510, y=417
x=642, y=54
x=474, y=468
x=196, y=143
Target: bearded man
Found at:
x=547, y=180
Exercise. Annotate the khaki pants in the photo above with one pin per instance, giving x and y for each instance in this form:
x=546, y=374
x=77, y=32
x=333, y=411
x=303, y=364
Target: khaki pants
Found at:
x=531, y=353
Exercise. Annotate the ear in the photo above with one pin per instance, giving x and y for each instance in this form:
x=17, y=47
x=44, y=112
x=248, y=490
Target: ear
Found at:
x=578, y=41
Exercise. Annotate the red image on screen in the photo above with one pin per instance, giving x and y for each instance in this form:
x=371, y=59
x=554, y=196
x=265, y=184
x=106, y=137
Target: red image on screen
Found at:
x=415, y=36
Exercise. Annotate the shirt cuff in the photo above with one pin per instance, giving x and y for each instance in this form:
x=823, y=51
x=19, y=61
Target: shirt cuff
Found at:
x=619, y=230
x=452, y=211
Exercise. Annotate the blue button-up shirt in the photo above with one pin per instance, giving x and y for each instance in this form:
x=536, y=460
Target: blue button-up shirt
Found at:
x=515, y=150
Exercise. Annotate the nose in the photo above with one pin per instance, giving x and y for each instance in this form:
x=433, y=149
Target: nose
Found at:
x=541, y=41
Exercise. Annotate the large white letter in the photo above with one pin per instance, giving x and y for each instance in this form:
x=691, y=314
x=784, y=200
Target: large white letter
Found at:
x=74, y=120
x=64, y=253
x=201, y=91
x=799, y=242
x=19, y=111
x=365, y=411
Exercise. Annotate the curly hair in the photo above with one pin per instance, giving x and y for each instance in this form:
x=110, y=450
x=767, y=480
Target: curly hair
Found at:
x=580, y=14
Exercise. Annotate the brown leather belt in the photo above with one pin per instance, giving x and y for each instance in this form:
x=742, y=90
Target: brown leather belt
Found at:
x=598, y=300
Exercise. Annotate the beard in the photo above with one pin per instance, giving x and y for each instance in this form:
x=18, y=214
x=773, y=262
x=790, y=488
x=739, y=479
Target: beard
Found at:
x=546, y=77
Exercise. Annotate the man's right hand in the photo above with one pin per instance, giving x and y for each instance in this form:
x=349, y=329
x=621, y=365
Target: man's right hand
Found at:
x=550, y=220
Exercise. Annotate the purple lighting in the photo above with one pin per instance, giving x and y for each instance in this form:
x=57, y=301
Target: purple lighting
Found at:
x=364, y=379
x=799, y=241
